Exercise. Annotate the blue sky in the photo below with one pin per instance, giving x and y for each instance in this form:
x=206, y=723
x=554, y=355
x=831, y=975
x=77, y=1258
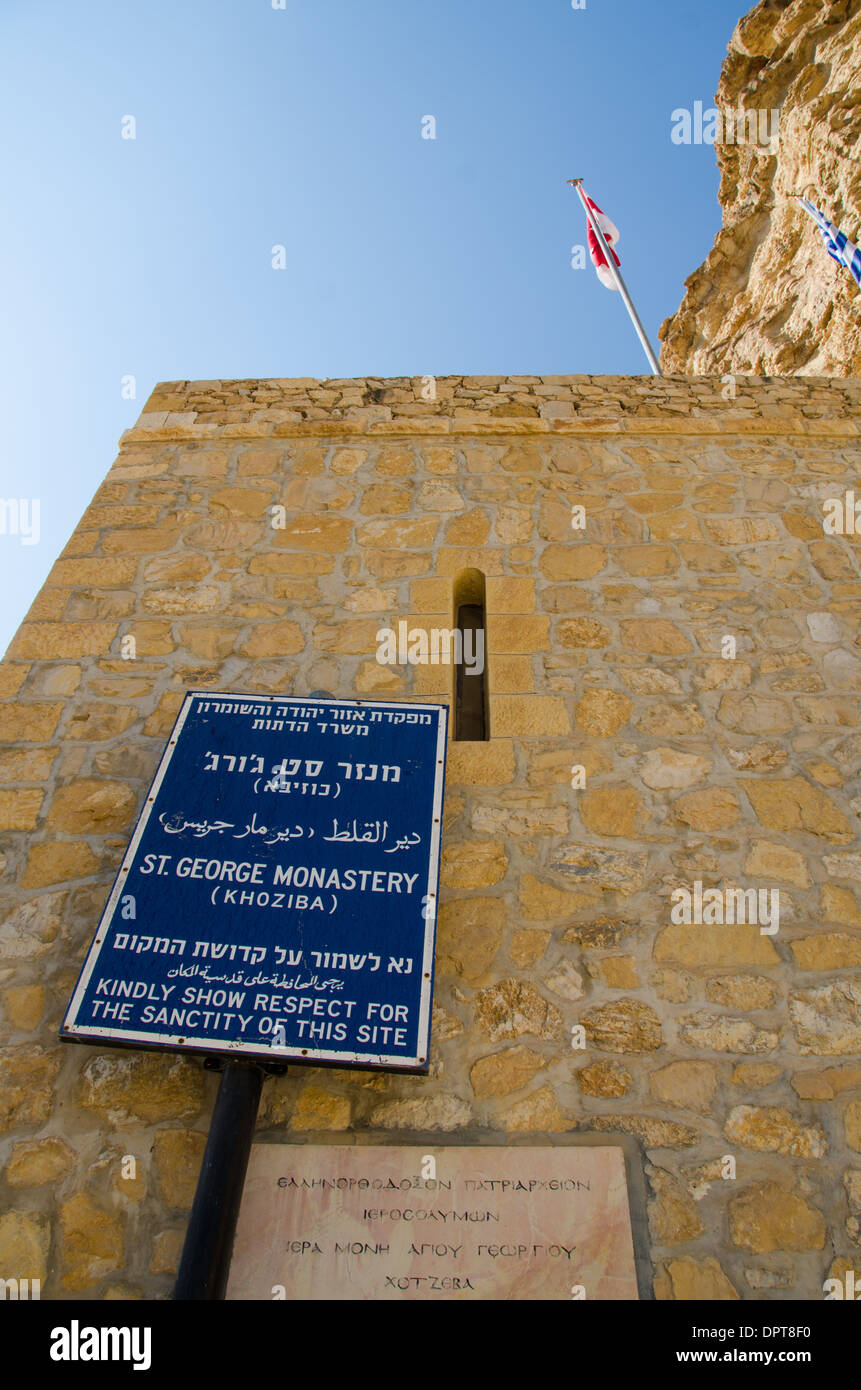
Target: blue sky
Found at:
x=302, y=127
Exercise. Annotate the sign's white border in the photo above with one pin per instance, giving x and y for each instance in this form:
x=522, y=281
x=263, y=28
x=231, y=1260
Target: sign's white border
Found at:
x=75, y=1032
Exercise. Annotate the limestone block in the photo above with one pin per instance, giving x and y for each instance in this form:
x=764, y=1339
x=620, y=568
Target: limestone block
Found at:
x=773, y=1129
x=19, y=807
x=91, y=1243
x=742, y=992
x=39, y=1162
x=91, y=807
x=318, y=1109
x=24, y=1005
x=827, y=951
x=528, y=715
x=719, y=1033
x=144, y=1086
x=694, y=1281
x=654, y=635
x=473, y=864
x=607, y=1079
x=500, y=1073
x=177, y=1156
x=712, y=808
x=827, y=1019
x=624, y=1025
x=24, y=1243
x=652, y=1132
x=513, y=1008
x=469, y=934
x=612, y=811
x=30, y=723
x=768, y=1216
x=774, y=861
x=691, y=1085
x=537, y=1113
x=27, y=1077
x=527, y=947
x=603, y=712
x=444, y=1113
x=667, y=768
x=673, y=1214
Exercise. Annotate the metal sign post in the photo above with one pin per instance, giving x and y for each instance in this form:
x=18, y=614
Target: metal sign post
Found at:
x=205, y=1262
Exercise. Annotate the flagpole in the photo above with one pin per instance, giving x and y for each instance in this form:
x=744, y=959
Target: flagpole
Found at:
x=619, y=282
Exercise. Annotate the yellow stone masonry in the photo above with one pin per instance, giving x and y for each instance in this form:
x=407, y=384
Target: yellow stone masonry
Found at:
x=255, y=536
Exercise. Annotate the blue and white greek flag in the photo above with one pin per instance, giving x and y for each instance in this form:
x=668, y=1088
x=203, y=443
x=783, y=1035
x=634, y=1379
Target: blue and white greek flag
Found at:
x=837, y=244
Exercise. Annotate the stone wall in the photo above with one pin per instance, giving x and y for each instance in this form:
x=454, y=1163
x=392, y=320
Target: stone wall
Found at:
x=607, y=651
x=768, y=298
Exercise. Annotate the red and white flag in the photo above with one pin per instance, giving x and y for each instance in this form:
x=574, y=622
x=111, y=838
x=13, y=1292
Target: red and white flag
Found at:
x=611, y=236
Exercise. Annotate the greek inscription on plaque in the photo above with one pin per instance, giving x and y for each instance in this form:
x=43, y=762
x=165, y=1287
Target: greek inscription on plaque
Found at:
x=331, y=1222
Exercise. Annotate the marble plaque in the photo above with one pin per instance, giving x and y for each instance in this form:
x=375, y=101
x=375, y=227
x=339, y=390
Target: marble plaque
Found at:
x=336, y=1222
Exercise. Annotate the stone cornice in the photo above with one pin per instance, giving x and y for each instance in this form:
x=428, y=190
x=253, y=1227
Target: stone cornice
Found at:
x=846, y=429
x=548, y=407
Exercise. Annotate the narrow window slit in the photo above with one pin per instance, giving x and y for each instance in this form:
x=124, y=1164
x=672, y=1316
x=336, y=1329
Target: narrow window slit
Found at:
x=471, y=712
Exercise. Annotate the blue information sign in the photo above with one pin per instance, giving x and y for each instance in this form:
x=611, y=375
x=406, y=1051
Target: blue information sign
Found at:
x=278, y=896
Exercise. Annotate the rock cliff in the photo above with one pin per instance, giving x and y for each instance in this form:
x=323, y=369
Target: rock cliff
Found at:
x=768, y=299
